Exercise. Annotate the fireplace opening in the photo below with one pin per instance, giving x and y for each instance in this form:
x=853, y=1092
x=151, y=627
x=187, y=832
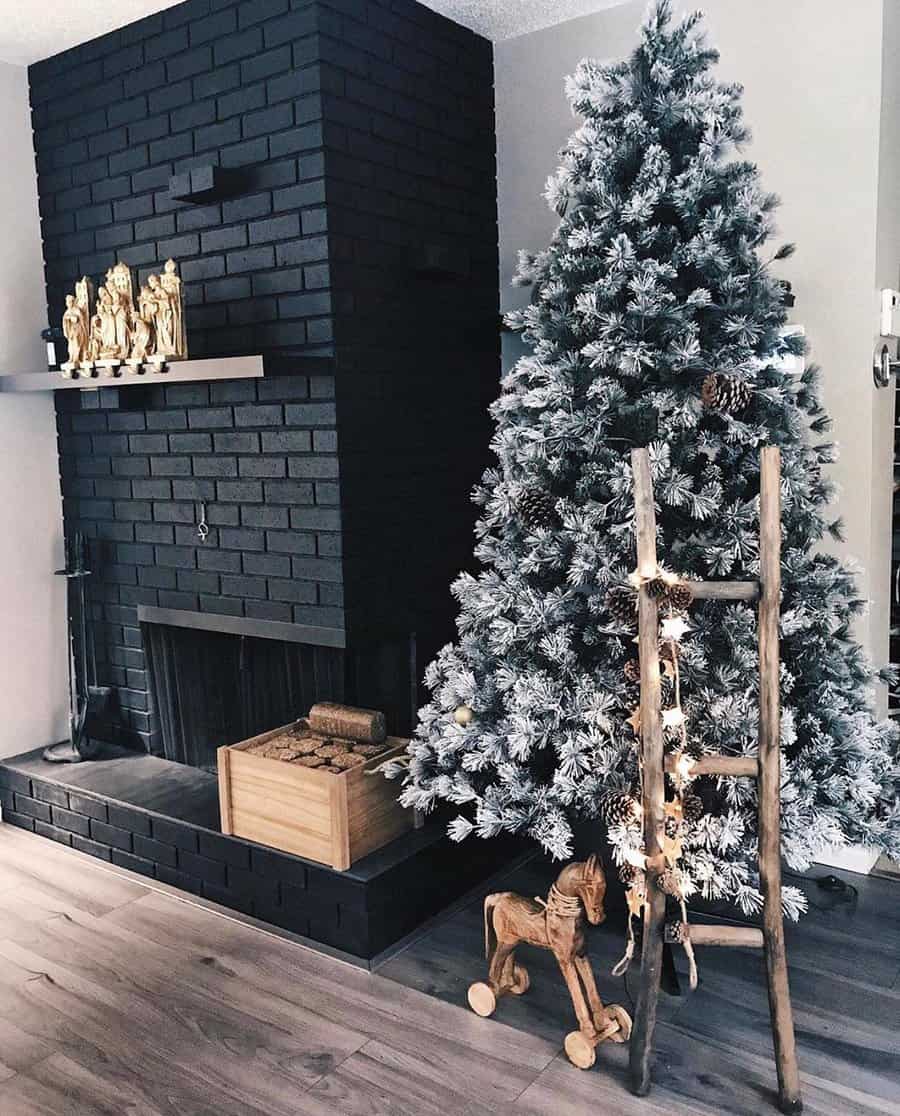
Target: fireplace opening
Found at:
x=210, y=688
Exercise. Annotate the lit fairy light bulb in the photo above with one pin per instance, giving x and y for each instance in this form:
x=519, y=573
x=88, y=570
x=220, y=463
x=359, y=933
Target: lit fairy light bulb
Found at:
x=672, y=718
x=682, y=767
x=674, y=628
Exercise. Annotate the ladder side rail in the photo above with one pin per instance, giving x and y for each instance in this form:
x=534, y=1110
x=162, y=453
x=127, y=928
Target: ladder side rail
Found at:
x=770, y=781
x=641, y=1051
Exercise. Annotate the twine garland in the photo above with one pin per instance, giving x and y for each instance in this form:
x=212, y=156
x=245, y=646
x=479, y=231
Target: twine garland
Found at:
x=565, y=906
x=664, y=585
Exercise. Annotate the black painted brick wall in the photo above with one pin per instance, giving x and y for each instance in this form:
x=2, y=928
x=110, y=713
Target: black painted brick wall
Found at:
x=361, y=133
x=235, y=85
x=408, y=109
x=136, y=468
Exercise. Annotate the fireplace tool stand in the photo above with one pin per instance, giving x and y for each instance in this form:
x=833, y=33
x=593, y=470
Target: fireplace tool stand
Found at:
x=85, y=697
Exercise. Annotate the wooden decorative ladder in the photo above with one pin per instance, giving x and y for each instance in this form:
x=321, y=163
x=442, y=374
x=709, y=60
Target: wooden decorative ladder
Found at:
x=766, y=769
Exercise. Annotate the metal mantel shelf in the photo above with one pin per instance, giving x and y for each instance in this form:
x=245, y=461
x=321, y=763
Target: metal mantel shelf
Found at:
x=178, y=372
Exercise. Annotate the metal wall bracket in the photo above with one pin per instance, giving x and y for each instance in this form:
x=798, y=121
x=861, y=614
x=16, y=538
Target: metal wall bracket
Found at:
x=883, y=366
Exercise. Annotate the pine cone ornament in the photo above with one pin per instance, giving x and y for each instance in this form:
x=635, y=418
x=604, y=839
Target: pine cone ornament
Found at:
x=677, y=933
x=537, y=508
x=671, y=883
x=680, y=596
x=633, y=670
x=617, y=809
x=724, y=393
x=621, y=603
x=692, y=808
x=673, y=827
x=628, y=874
x=657, y=587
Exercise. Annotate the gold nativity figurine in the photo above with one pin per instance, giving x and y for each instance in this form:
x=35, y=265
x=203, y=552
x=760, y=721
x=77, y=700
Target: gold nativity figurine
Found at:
x=120, y=330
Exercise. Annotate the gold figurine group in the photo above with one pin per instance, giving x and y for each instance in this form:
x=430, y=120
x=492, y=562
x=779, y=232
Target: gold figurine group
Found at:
x=119, y=331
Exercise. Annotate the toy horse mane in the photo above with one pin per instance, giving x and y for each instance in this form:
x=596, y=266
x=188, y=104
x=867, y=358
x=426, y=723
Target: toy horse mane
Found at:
x=580, y=872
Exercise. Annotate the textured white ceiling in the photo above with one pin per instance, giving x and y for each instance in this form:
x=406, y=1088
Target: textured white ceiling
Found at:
x=34, y=29
x=504, y=19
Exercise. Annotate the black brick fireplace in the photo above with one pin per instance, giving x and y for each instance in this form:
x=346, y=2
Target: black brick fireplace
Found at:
x=323, y=171
x=345, y=228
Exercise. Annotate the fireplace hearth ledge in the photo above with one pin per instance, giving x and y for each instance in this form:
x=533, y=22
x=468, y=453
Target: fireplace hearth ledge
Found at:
x=177, y=372
x=160, y=820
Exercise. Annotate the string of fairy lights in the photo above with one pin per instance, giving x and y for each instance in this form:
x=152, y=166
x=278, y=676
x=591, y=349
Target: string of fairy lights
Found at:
x=683, y=808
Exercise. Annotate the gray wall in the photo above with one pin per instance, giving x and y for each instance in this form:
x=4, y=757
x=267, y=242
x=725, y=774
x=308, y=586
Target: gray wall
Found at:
x=32, y=637
x=813, y=100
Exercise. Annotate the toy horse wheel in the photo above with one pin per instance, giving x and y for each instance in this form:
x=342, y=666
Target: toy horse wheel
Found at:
x=521, y=979
x=482, y=999
x=580, y=1050
x=615, y=1012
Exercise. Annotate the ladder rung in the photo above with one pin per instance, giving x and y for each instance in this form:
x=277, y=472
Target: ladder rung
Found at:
x=718, y=765
x=725, y=590
x=750, y=937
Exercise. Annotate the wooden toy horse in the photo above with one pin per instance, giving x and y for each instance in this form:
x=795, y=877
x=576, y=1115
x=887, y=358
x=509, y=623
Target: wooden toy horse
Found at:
x=556, y=924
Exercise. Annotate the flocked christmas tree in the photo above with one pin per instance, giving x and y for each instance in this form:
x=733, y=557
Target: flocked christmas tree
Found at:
x=654, y=320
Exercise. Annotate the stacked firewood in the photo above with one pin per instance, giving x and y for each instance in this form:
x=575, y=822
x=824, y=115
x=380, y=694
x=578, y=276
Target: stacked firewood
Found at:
x=333, y=738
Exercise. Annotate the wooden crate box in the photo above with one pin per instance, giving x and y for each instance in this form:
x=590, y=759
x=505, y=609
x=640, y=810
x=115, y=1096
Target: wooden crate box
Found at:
x=332, y=818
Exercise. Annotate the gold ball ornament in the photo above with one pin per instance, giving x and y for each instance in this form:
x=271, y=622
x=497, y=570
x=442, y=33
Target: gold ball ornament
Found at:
x=463, y=715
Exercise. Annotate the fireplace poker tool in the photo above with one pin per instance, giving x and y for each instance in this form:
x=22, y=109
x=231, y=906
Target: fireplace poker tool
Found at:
x=99, y=697
x=86, y=698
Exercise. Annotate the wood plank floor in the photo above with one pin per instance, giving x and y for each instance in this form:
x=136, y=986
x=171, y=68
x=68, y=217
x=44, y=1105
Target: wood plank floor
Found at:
x=714, y=1047
x=120, y=1000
